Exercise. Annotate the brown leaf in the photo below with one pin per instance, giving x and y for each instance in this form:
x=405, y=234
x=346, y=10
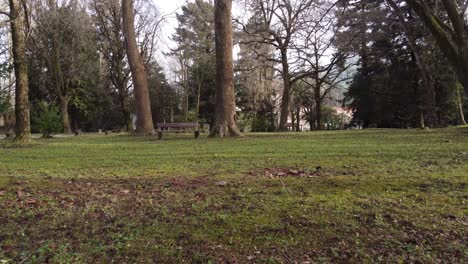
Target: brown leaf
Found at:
x=221, y=183
x=31, y=201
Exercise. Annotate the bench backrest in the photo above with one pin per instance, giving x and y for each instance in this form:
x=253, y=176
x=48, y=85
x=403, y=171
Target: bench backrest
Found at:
x=177, y=125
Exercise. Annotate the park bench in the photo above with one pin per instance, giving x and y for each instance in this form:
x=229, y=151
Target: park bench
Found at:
x=176, y=128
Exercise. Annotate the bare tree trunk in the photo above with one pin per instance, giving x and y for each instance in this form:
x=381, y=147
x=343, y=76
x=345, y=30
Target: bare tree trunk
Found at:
x=186, y=107
x=298, y=118
x=64, y=112
x=225, y=115
x=461, y=115
x=318, y=102
x=198, y=101
x=318, y=112
x=23, y=130
x=200, y=80
x=144, y=124
x=422, y=124
x=293, y=121
x=286, y=98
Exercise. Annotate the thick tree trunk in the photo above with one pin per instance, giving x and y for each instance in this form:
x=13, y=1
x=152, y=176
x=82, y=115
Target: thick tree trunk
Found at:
x=225, y=115
x=64, y=100
x=144, y=124
x=286, y=97
x=22, y=127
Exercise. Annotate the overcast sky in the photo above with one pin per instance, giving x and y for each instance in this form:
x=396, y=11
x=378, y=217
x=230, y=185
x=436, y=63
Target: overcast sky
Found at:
x=167, y=7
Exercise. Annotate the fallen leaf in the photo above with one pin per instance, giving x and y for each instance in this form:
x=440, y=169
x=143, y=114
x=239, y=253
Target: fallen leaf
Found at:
x=221, y=183
x=31, y=201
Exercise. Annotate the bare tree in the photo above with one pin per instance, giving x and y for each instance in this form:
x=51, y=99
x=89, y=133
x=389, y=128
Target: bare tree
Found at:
x=323, y=64
x=280, y=21
x=225, y=113
x=256, y=74
x=144, y=125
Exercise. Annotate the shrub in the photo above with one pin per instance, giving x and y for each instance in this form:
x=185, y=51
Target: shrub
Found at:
x=46, y=119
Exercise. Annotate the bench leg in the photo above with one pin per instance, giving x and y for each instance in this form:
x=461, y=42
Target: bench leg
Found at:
x=160, y=135
x=197, y=134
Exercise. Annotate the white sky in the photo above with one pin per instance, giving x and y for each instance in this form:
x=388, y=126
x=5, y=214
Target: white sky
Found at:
x=167, y=7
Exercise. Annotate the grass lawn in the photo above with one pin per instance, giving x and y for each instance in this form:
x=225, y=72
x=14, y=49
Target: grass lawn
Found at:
x=347, y=196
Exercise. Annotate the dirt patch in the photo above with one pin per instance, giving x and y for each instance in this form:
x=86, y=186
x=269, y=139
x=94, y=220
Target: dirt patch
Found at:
x=79, y=192
x=318, y=172
x=103, y=214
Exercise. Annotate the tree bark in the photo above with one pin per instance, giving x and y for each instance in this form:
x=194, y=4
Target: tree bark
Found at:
x=298, y=118
x=144, y=124
x=461, y=115
x=293, y=121
x=318, y=98
x=286, y=97
x=22, y=127
x=225, y=113
x=64, y=100
x=318, y=108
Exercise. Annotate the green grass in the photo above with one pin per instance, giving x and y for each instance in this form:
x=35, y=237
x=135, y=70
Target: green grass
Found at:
x=379, y=196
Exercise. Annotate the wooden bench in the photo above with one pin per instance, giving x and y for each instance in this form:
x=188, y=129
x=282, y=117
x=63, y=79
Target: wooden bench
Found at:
x=177, y=127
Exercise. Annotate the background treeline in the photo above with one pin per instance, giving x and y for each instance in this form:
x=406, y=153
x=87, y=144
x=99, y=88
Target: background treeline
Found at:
x=295, y=60
x=402, y=79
